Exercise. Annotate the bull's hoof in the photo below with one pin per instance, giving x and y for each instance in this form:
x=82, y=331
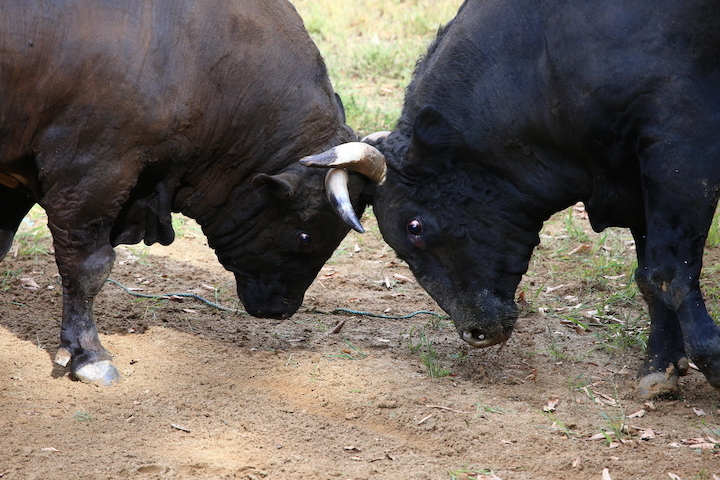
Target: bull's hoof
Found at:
x=63, y=357
x=102, y=373
x=658, y=384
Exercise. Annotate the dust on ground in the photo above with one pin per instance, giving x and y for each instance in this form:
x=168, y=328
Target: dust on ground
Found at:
x=214, y=394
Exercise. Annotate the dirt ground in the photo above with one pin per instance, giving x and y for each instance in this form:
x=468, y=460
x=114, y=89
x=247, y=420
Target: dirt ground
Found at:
x=214, y=394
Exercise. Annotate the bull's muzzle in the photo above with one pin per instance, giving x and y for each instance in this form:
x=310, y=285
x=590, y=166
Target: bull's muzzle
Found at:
x=478, y=339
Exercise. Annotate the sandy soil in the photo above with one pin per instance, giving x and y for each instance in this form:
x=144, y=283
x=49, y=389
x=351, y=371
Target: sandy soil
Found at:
x=213, y=394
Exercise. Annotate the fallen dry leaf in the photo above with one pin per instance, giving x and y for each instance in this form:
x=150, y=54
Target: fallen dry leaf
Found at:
x=701, y=443
x=402, y=278
x=552, y=403
x=577, y=463
x=338, y=327
x=607, y=399
x=639, y=414
x=699, y=412
x=29, y=283
x=606, y=474
x=691, y=441
x=584, y=248
x=673, y=476
x=703, y=446
x=521, y=302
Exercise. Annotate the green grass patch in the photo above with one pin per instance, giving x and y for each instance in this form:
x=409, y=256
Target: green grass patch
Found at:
x=370, y=71
x=428, y=355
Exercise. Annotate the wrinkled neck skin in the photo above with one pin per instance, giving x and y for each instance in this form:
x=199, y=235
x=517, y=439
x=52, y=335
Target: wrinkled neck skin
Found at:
x=244, y=208
x=258, y=235
x=256, y=228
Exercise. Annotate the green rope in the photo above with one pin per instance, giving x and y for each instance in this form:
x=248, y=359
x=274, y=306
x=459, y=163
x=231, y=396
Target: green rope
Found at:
x=389, y=317
x=166, y=296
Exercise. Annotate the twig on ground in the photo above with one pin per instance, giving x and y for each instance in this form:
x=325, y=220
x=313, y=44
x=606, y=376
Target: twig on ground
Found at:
x=446, y=408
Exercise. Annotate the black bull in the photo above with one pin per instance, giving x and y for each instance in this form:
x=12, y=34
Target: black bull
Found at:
x=115, y=113
x=523, y=107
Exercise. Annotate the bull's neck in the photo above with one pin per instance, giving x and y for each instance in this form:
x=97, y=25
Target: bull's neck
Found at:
x=546, y=180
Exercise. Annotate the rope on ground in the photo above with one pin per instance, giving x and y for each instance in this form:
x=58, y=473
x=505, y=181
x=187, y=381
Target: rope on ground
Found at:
x=388, y=317
x=167, y=296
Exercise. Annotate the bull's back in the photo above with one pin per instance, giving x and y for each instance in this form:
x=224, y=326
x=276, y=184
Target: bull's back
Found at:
x=558, y=61
x=167, y=74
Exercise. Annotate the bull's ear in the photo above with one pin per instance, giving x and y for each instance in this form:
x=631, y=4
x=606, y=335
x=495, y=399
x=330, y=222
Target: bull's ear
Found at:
x=340, y=105
x=282, y=185
x=432, y=133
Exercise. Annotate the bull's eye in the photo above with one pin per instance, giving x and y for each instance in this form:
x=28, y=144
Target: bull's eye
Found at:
x=414, y=227
x=303, y=239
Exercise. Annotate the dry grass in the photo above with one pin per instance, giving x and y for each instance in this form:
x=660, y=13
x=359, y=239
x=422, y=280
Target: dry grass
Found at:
x=371, y=47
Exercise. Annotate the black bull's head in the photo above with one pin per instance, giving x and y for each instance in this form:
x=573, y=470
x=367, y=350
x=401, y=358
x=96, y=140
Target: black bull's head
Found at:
x=459, y=231
x=276, y=238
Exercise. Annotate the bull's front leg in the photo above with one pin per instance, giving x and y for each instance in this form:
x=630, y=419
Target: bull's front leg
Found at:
x=672, y=272
x=665, y=358
x=673, y=265
x=680, y=171
x=680, y=182
x=672, y=283
x=85, y=259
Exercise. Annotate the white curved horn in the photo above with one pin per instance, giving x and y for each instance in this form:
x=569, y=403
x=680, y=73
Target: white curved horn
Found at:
x=356, y=156
x=336, y=186
x=376, y=136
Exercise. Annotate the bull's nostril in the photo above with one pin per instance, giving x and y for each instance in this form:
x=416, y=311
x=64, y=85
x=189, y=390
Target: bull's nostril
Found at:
x=473, y=335
x=477, y=338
